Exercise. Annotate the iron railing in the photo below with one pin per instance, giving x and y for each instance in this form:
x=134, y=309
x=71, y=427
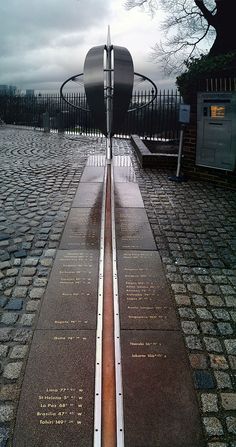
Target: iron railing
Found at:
x=219, y=84
x=158, y=121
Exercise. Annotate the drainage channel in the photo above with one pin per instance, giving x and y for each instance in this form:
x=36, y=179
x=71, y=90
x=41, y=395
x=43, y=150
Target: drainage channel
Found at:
x=108, y=411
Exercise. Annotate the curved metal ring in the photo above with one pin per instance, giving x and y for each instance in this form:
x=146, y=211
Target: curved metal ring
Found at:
x=64, y=98
x=149, y=102
x=88, y=110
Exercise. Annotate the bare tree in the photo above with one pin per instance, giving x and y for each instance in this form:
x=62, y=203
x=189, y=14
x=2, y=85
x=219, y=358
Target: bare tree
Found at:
x=191, y=27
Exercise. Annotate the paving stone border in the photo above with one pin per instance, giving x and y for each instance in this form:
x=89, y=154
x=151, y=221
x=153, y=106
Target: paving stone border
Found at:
x=194, y=228
x=148, y=159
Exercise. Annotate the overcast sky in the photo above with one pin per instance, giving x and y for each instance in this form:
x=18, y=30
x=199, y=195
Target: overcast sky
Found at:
x=43, y=42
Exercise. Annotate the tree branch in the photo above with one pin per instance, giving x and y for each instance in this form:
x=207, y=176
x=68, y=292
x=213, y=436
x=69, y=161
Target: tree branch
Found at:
x=205, y=11
x=151, y=4
x=189, y=27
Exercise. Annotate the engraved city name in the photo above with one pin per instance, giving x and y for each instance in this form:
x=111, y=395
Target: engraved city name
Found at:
x=57, y=408
x=70, y=301
x=82, y=229
x=146, y=345
x=156, y=374
x=133, y=230
x=145, y=300
x=60, y=406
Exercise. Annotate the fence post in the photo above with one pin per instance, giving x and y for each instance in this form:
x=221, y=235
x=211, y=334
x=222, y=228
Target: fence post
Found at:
x=60, y=122
x=46, y=122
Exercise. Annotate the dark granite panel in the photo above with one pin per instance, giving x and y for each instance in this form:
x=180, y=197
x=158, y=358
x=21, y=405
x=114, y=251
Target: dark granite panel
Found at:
x=133, y=231
x=93, y=174
x=82, y=229
x=160, y=407
x=144, y=295
x=124, y=174
x=57, y=398
x=70, y=301
x=88, y=195
x=127, y=195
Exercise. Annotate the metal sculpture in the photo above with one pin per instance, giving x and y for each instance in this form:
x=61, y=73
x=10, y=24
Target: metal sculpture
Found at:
x=108, y=83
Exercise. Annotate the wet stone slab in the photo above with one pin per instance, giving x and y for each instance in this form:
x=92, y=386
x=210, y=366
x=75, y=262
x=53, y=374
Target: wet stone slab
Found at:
x=70, y=301
x=124, y=174
x=160, y=407
x=127, y=195
x=88, y=195
x=56, y=405
x=133, y=231
x=93, y=174
x=122, y=161
x=96, y=160
x=82, y=229
x=144, y=296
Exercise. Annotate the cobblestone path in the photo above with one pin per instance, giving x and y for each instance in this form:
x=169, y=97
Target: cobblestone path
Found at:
x=194, y=224
x=39, y=176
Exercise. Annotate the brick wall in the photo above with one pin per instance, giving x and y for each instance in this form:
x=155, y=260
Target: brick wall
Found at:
x=219, y=177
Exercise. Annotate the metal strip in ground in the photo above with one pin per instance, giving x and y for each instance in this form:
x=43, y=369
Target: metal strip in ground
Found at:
x=108, y=348
x=118, y=365
x=98, y=361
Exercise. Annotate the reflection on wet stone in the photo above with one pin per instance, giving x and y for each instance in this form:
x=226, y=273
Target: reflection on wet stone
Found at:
x=82, y=229
x=122, y=161
x=93, y=174
x=88, y=195
x=133, y=230
x=124, y=174
x=128, y=195
x=96, y=160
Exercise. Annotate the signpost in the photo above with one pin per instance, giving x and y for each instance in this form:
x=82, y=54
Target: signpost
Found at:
x=184, y=118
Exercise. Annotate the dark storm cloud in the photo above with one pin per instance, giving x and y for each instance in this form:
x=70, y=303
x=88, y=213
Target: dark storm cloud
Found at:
x=33, y=33
x=44, y=42
x=31, y=24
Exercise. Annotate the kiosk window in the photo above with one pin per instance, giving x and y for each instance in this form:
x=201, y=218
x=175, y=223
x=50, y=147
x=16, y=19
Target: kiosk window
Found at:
x=217, y=111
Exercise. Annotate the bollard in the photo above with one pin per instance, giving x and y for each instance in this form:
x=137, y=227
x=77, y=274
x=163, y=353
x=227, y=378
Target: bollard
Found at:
x=184, y=118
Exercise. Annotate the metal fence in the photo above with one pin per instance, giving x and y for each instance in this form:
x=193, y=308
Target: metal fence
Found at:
x=221, y=84
x=158, y=121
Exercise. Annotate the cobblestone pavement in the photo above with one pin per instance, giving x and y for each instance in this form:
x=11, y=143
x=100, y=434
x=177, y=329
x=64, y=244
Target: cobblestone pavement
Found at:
x=194, y=228
x=194, y=225
x=39, y=176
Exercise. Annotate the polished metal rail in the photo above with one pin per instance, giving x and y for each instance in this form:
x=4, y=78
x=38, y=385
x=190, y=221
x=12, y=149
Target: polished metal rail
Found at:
x=108, y=410
x=118, y=364
x=99, y=331
x=108, y=362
